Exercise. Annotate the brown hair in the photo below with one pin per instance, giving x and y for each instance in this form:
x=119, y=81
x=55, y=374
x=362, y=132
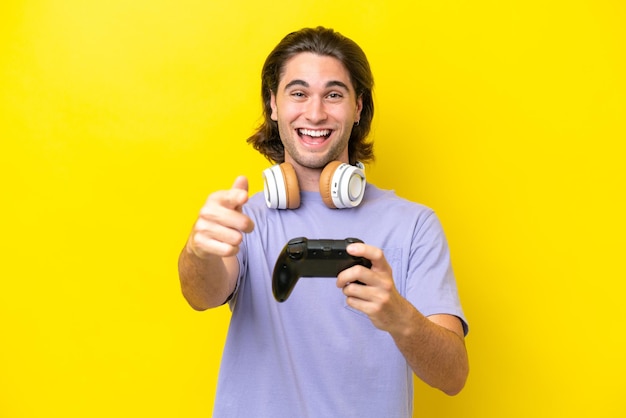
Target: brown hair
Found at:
x=325, y=42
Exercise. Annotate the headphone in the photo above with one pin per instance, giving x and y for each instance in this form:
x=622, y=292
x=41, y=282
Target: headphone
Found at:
x=341, y=185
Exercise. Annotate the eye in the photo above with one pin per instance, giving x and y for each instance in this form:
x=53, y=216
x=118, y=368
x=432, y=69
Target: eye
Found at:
x=335, y=96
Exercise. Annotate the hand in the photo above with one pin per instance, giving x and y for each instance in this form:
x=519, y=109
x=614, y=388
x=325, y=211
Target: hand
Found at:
x=219, y=228
x=379, y=298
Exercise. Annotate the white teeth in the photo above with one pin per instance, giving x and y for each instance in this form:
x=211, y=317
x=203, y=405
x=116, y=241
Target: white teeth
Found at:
x=316, y=134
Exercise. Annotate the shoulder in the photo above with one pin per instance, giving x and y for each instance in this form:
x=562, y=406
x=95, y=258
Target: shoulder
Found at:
x=386, y=209
x=388, y=200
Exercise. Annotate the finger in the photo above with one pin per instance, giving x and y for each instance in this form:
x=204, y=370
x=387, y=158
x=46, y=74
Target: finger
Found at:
x=359, y=249
x=210, y=237
x=357, y=275
x=239, y=192
x=216, y=231
x=215, y=213
x=203, y=245
x=233, y=198
x=373, y=254
x=241, y=183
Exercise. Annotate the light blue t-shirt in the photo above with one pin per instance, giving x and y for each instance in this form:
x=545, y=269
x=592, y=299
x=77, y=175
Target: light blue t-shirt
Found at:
x=312, y=355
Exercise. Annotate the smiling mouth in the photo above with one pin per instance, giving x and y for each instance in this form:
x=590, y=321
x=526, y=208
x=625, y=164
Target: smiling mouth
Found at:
x=314, y=135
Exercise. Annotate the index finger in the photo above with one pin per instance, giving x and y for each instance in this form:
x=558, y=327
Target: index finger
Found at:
x=374, y=254
x=233, y=198
x=241, y=183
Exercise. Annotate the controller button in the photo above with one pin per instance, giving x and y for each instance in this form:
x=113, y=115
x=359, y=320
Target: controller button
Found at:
x=296, y=251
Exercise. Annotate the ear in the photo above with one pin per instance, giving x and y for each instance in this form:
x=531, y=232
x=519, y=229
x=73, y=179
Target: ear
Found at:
x=274, y=115
x=359, y=108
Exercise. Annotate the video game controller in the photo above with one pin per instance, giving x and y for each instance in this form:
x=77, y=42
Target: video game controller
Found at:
x=303, y=257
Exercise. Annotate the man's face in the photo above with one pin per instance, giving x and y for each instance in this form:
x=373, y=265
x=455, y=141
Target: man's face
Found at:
x=316, y=107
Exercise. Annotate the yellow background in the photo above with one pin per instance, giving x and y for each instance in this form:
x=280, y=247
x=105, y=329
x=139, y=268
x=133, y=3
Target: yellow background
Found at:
x=118, y=118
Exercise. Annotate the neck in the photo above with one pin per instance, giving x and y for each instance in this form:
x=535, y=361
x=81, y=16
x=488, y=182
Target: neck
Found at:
x=308, y=178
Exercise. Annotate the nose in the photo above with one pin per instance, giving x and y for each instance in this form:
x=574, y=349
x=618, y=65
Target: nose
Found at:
x=315, y=110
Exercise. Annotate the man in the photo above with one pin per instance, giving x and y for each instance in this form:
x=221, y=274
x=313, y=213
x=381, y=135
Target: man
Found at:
x=346, y=347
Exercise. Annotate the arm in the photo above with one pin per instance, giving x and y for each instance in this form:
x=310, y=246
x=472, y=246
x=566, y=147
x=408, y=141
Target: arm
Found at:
x=433, y=346
x=207, y=265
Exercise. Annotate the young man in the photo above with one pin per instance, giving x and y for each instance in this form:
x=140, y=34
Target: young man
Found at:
x=335, y=348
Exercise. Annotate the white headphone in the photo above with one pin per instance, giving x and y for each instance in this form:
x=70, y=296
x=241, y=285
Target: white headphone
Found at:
x=341, y=185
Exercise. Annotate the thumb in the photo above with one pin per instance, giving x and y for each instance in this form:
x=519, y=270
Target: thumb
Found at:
x=241, y=182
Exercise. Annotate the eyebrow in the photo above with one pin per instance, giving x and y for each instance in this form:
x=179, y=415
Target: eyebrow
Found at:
x=332, y=83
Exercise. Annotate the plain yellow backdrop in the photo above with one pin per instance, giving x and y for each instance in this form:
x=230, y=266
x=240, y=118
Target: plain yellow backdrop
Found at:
x=118, y=118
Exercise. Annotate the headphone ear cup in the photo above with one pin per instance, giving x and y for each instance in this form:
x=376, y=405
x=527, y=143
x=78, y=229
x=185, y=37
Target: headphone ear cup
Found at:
x=326, y=179
x=281, y=187
x=291, y=186
x=342, y=185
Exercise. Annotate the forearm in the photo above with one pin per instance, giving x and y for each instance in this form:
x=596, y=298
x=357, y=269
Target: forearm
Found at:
x=436, y=354
x=206, y=282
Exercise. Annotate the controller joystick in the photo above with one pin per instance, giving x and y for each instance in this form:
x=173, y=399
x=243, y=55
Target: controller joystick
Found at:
x=302, y=257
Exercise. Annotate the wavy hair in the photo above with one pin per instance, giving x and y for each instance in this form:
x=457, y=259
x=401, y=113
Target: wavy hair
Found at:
x=324, y=42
